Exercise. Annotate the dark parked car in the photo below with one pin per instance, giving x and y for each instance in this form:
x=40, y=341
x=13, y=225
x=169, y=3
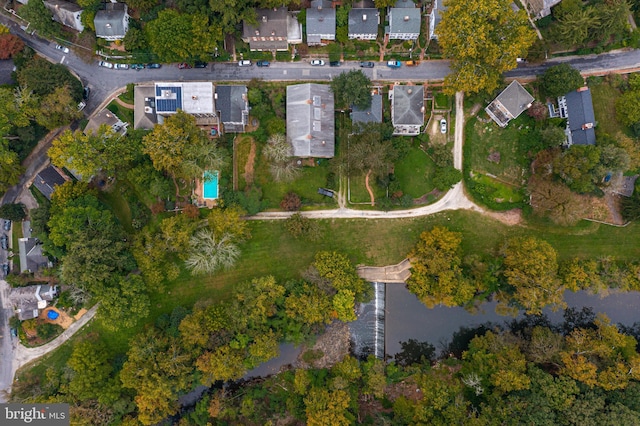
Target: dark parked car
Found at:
x=85, y=92
x=366, y=64
x=5, y=269
x=6, y=225
x=184, y=66
x=325, y=192
x=335, y=63
x=137, y=67
x=200, y=64
x=263, y=63
x=154, y=66
x=4, y=242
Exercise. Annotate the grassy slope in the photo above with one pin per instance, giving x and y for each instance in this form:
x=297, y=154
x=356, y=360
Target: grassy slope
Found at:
x=415, y=172
x=604, y=98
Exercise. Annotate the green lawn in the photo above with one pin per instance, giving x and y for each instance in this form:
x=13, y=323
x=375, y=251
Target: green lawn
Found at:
x=127, y=97
x=415, y=173
x=119, y=206
x=243, y=148
x=359, y=193
x=500, y=192
x=487, y=138
x=124, y=114
x=604, y=107
x=305, y=185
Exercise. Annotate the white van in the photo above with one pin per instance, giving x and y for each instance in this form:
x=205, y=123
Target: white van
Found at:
x=245, y=63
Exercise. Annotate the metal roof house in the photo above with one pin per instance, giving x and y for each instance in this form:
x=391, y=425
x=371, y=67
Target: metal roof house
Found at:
x=407, y=109
x=31, y=257
x=48, y=178
x=112, y=23
x=275, y=30
x=106, y=118
x=404, y=21
x=435, y=17
x=27, y=301
x=363, y=23
x=373, y=114
x=509, y=104
x=539, y=8
x=310, y=120
x=233, y=107
x=321, y=22
x=577, y=108
x=66, y=13
x=194, y=98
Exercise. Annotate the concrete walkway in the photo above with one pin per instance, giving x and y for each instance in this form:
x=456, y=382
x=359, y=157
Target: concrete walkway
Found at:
x=396, y=274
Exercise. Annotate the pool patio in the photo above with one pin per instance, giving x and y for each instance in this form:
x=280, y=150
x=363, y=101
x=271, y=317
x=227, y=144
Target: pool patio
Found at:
x=203, y=196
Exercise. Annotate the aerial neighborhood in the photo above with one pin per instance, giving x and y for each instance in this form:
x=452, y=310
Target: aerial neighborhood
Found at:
x=320, y=212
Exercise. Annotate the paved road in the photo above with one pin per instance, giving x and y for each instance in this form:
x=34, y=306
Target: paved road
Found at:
x=6, y=342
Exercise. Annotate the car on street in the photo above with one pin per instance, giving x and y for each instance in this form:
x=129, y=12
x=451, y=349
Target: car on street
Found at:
x=366, y=64
x=6, y=225
x=105, y=64
x=137, y=67
x=14, y=332
x=244, y=63
x=394, y=64
x=4, y=242
x=63, y=48
x=317, y=63
x=335, y=63
x=121, y=66
x=154, y=66
x=81, y=105
x=200, y=64
x=263, y=63
x=443, y=126
x=184, y=66
x=411, y=63
x=85, y=92
x=5, y=269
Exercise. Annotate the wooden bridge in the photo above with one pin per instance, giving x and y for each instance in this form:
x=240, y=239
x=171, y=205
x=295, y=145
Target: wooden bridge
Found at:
x=393, y=274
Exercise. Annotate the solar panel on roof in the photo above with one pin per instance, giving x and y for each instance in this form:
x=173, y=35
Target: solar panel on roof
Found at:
x=168, y=99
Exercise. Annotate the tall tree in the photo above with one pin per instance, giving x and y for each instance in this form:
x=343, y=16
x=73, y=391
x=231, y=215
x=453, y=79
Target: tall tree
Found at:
x=436, y=272
x=209, y=253
x=628, y=107
x=483, y=39
x=102, y=150
x=10, y=45
x=177, y=145
x=10, y=168
x=57, y=109
x=531, y=270
x=559, y=80
x=43, y=77
x=176, y=37
x=123, y=302
x=40, y=18
x=351, y=88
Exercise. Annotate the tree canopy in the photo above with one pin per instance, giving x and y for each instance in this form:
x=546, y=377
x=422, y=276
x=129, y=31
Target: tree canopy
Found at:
x=559, y=80
x=483, y=39
x=351, y=88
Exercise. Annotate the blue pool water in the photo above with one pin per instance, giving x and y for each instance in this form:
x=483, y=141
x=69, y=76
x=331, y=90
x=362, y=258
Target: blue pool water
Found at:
x=210, y=185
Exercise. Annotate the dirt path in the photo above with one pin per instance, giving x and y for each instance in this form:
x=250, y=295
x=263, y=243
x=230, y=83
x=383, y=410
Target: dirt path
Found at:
x=248, y=167
x=366, y=184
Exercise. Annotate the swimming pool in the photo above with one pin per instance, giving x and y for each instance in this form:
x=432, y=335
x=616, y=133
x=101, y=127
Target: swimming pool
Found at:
x=210, y=185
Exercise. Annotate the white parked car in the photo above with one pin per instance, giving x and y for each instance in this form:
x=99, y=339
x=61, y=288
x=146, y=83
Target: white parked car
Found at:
x=317, y=62
x=105, y=64
x=121, y=66
x=443, y=126
x=244, y=63
x=63, y=48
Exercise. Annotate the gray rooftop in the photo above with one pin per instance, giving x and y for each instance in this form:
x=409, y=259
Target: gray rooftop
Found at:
x=65, y=12
x=107, y=118
x=232, y=103
x=310, y=120
x=581, y=119
x=48, y=179
x=144, y=115
x=321, y=18
x=405, y=4
x=271, y=23
x=110, y=21
x=27, y=300
x=515, y=98
x=408, y=104
x=404, y=20
x=31, y=257
x=6, y=68
x=363, y=21
x=373, y=114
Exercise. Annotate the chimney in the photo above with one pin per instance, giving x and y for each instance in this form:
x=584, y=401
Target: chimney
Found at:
x=406, y=18
x=273, y=33
x=586, y=126
x=582, y=89
x=364, y=17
